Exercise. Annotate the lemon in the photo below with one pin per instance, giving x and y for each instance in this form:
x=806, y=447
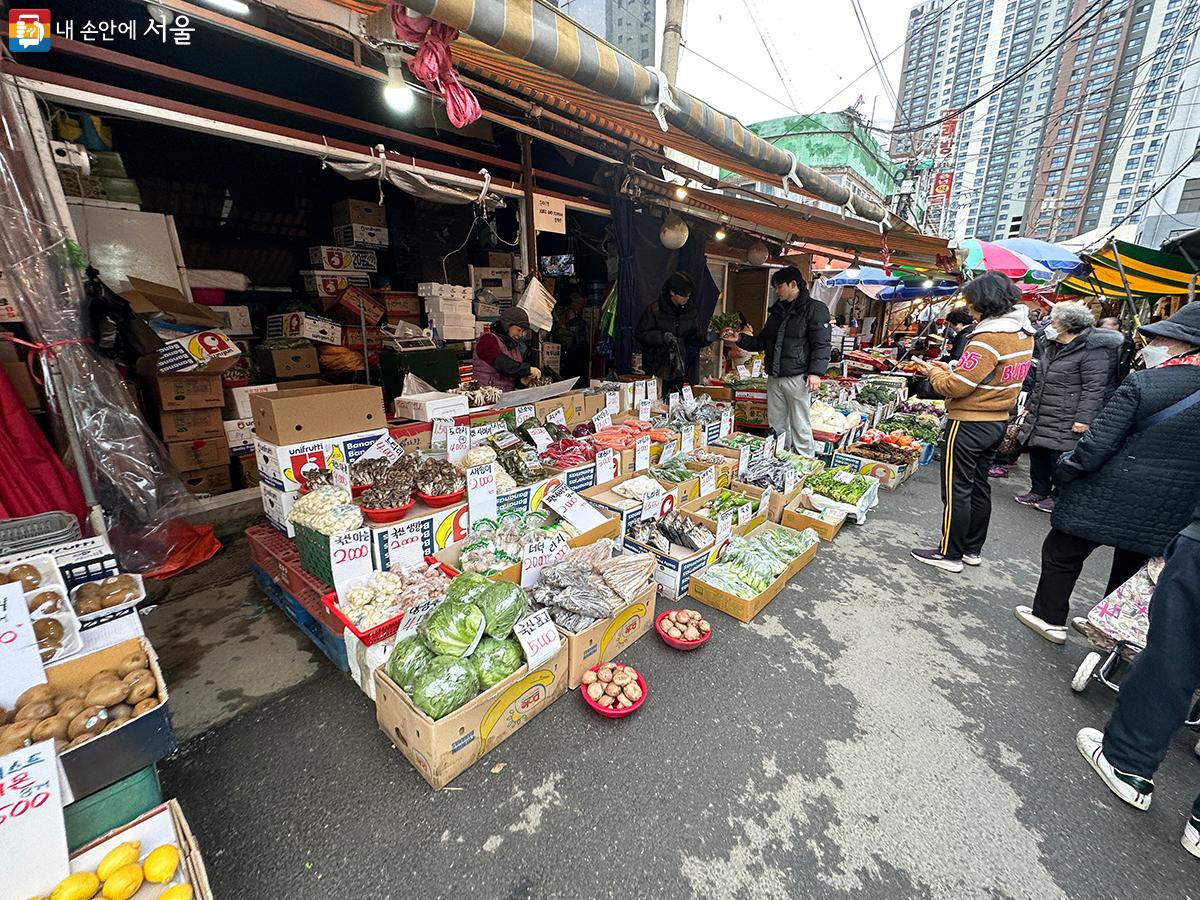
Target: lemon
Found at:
x=121, y=855
x=179, y=892
x=80, y=886
x=161, y=864
x=123, y=883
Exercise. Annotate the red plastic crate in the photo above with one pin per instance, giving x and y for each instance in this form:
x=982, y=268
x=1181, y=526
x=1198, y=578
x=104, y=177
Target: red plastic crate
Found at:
x=381, y=632
x=308, y=591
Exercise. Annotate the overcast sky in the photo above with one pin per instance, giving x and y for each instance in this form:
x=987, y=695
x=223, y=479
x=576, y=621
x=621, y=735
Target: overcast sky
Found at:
x=819, y=54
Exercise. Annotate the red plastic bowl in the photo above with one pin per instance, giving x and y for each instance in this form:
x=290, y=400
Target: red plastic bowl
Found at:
x=439, y=500
x=387, y=516
x=613, y=712
x=675, y=642
x=358, y=490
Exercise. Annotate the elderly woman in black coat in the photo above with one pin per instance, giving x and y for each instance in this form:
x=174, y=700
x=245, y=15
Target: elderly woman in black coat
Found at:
x=1134, y=478
x=1072, y=374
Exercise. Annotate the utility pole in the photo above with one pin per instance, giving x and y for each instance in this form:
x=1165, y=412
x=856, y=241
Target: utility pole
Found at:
x=672, y=35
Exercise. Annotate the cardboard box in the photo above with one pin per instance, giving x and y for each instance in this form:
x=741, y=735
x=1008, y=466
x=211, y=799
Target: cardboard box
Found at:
x=237, y=400
x=288, y=363
x=890, y=475
x=359, y=212
x=160, y=301
x=497, y=279
x=673, y=571
x=352, y=338
x=370, y=237
x=399, y=304
x=630, y=511
x=442, y=750
x=750, y=408
x=724, y=394
x=431, y=405
x=283, y=465
x=303, y=325
x=338, y=259
x=27, y=389
x=134, y=745
x=746, y=610
x=190, y=425
x=235, y=320
x=413, y=437
x=199, y=453
x=605, y=640
x=826, y=523
x=308, y=413
x=245, y=470
x=578, y=478
x=693, y=509
x=186, y=391
x=326, y=284
x=345, y=307
x=240, y=435
x=212, y=481
x=277, y=504
x=778, y=499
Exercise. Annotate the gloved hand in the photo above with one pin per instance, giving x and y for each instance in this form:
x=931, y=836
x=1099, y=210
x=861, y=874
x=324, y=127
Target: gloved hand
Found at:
x=535, y=372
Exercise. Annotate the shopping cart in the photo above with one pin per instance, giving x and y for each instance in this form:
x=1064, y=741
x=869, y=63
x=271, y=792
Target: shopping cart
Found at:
x=1116, y=627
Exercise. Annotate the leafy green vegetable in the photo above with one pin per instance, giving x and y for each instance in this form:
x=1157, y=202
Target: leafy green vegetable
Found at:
x=828, y=485
x=502, y=605
x=875, y=394
x=452, y=629
x=921, y=431
x=444, y=685
x=494, y=660
x=721, y=321
x=409, y=657
x=467, y=588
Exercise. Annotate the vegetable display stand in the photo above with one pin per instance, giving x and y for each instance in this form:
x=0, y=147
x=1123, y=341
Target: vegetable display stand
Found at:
x=745, y=610
x=442, y=750
x=826, y=524
x=314, y=553
x=890, y=475
x=605, y=640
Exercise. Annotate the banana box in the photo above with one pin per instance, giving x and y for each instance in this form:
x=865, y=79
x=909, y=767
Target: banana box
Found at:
x=606, y=639
x=285, y=467
x=442, y=750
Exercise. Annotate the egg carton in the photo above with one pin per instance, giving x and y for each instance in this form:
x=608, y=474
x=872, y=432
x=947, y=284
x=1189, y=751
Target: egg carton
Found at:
x=108, y=611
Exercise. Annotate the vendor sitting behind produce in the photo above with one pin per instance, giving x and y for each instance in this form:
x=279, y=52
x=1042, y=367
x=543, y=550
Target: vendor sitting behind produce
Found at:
x=498, y=361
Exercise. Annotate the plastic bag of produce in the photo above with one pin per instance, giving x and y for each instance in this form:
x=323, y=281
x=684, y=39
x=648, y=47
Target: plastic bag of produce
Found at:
x=453, y=629
x=445, y=684
x=494, y=660
x=502, y=604
x=409, y=658
x=467, y=588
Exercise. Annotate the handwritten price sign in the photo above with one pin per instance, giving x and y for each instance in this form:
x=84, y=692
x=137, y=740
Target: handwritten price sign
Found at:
x=458, y=442
x=349, y=556
x=651, y=390
x=602, y=420
x=481, y=491
x=756, y=367
x=708, y=481
x=340, y=470
x=612, y=402
x=652, y=504
x=639, y=391
x=524, y=413
x=687, y=438
x=541, y=438
x=539, y=638
x=557, y=416
x=641, y=454
x=726, y=422
x=744, y=514
x=416, y=616
x=644, y=410
x=20, y=663
x=744, y=459
x=536, y=555
x=385, y=448
x=572, y=507
x=606, y=466
x=406, y=546
x=742, y=372
x=688, y=396
x=31, y=821
x=441, y=429
x=669, y=452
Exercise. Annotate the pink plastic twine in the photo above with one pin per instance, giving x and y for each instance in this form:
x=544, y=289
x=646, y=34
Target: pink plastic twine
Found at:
x=433, y=64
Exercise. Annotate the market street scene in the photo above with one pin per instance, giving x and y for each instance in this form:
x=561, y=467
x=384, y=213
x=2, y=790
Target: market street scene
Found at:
x=599, y=448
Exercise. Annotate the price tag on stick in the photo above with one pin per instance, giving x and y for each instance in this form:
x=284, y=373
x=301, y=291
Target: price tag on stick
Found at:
x=524, y=413
x=385, y=448
x=612, y=402
x=572, y=507
x=769, y=447
x=538, y=637
x=536, y=555
x=669, y=452
x=755, y=368
x=644, y=410
x=602, y=420
x=688, y=396
x=726, y=422
x=606, y=467
x=340, y=470
x=458, y=442
x=652, y=390
x=441, y=428
x=724, y=527
x=764, y=502
x=557, y=416
x=349, y=557
x=708, y=481
x=405, y=545
x=744, y=459
x=417, y=615
x=744, y=514
x=541, y=439
x=742, y=372
x=641, y=454
x=481, y=491
x=639, y=391
x=789, y=480
x=687, y=437
x=652, y=504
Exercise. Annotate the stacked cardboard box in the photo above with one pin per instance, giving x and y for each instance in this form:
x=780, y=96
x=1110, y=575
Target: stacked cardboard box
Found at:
x=187, y=408
x=448, y=307
x=360, y=225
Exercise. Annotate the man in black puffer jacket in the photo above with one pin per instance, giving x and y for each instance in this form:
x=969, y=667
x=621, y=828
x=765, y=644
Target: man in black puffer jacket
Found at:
x=1134, y=478
x=795, y=343
x=667, y=328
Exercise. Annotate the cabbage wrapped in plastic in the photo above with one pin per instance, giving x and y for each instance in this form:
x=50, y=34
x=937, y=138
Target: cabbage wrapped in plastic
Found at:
x=452, y=629
x=503, y=605
x=467, y=588
x=409, y=657
x=494, y=660
x=444, y=685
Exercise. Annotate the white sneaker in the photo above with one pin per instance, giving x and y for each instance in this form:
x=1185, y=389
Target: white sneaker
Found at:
x=972, y=559
x=1191, y=837
x=1055, y=634
x=1133, y=789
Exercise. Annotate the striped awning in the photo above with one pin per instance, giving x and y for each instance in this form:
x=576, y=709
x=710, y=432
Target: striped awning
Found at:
x=1149, y=273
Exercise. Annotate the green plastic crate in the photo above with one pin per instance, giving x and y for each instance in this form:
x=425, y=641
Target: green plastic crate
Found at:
x=314, y=553
x=111, y=807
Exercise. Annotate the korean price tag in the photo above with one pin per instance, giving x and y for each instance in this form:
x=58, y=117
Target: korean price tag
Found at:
x=742, y=372
x=726, y=422
x=708, y=481
x=641, y=454
x=744, y=514
x=769, y=446
x=541, y=438
x=789, y=480
x=602, y=420
x=606, y=466
x=687, y=437
x=539, y=638
x=652, y=503
x=612, y=402
x=688, y=396
x=441, y=429
x=406, y=545
x=755, y=368
x=652, y=390
x=673, y=401
x=724, y=527
x=557, y=416
x=481, y=491
x=32, y=829
x=385, y=448
x=639, y=391
x=572, y=507
x=349, y=556
x=20, y=661
x=644, y=410
x=764, y=502
x=669, y=452
x=458, y=442
x=843, y=477
x=340, y=470
x=416, y=616
x=536, y=555
x=524, y=413
x=744, y=459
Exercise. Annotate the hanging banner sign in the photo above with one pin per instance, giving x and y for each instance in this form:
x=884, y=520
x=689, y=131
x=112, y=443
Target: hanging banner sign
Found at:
x=943, y=183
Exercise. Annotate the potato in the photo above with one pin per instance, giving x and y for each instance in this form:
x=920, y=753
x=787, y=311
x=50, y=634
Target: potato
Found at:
x=91, y=721
x=631, y=672
x=54, y=727
x=20, y=731
x=595, y=690
x=620, y=679
x=135, y=675
x=692, y=633
x=632, y=691
x=623, y=703
x=703, y=627
x=42, y=709
x=37, y=692
x=606, y=701
x=28, y=575
x=612, y=690
x=589, y=677
x=145, y=706
x=141, y=690
x=133, y=662
x=107, y=693
x=604, y=675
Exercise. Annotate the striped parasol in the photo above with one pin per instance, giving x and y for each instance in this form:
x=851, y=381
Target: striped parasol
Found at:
x=984, y=256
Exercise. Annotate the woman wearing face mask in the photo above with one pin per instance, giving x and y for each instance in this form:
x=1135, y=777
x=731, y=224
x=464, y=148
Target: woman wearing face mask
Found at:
x=1133, y=480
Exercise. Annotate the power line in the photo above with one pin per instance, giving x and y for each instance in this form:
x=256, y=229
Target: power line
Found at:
x=873, y=50
x=1158, y=190
x=739, y=79
x=771, y=54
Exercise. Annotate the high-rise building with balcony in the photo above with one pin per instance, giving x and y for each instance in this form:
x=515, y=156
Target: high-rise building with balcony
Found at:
x=632, y=26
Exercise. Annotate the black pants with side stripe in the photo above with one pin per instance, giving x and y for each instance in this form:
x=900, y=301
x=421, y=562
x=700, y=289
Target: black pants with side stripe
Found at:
x=968, y=449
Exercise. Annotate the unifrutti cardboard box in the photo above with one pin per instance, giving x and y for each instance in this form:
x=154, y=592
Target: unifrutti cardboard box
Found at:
x=304, y=325
x=346, y=307
x=673, y=569
x=284, y=466
x=237, y=400
x=890, y=475
x=605, y=640
x=327, y=284
x=288, y=362
x=308, y=413
x=338, y=259
x=190, y=424
x=826, y=523
x=442, y=750
x=359, y=212
x=240, y=435
x=742, y=609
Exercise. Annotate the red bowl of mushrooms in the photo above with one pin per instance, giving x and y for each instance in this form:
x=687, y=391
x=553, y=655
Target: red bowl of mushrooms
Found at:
x=613, y=690
x=683, y=629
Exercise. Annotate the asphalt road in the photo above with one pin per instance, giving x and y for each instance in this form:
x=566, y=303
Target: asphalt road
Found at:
x=881, y=730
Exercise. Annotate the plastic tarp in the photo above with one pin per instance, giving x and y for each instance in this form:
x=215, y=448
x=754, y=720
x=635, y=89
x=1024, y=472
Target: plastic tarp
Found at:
x=145, y=504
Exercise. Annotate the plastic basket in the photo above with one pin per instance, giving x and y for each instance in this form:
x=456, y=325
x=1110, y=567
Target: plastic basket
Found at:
x=385, y=630
x=35, y=532
x=314, y=553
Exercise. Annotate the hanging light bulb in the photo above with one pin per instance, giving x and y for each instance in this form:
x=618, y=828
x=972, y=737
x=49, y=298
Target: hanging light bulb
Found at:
x=757, y=254
x=681, y=193
x=397, y=92
x=236, y=7
x=720, y=234
x=927, y=284
x=674, y=232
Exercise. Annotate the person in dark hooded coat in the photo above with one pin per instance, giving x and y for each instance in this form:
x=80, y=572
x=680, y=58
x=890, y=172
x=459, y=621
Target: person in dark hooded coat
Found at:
x=667, y=328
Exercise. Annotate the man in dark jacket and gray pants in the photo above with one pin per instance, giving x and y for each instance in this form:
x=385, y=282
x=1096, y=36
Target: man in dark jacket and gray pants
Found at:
x=795, y=343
